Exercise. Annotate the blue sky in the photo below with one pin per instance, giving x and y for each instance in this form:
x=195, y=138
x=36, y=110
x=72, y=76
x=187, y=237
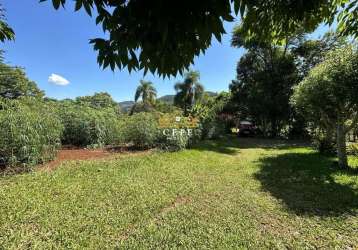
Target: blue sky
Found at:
x=56, y=42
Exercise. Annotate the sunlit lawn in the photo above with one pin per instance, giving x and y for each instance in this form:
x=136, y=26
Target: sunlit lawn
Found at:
x=235, y=193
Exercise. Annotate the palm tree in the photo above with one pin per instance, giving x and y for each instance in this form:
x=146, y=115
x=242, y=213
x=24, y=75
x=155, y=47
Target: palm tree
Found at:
x=189, y=91
x=147, y=91
x=6, y=32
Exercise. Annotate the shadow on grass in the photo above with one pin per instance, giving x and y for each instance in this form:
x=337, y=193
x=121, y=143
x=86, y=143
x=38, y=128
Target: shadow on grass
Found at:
x=266, y=143
x=219, y=146
x=12, y=171
x=231, y=144
x=306, y=184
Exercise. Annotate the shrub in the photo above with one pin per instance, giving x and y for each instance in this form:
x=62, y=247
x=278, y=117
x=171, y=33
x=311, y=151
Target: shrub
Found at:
x=178, y=134
x=173, y=142
x=212, y=124
x=87, y=126
x=324, y=143
x=140, y=129
x=140, y=107
x=30, y=132
x=213, y=129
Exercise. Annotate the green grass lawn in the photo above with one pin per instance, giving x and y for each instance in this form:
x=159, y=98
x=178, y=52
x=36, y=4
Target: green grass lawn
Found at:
x=238, y=193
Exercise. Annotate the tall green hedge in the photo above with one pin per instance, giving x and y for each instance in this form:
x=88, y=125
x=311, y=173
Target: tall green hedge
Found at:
x=140, y=130
x=87, y=126
x=29, y=132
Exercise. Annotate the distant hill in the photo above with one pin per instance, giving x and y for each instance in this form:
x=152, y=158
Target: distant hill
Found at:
x=167, y=99
x=210, y=93
x=126, y=105
x=170, y=98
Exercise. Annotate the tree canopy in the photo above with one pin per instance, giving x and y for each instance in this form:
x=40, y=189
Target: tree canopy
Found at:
x=146, y=91
x=328, y=94
x=263, y=87
x=98, y=100
x=309, y=53
x=14, y=83
x=164, y=36
x=265, y=76
x=189, y=91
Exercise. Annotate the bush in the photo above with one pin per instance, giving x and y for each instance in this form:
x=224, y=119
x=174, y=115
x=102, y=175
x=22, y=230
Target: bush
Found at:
x=30, y=132
x=213, y=129
x=87, y=126
x=176, y=134
x=174, y=142
x=140, y=129
x=212, y=124
x=324, y=145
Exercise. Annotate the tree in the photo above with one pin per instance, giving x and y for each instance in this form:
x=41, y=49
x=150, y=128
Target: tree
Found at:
x=262, y=91
x=189, y=91
x=329, y=95
x=309, y=53
x=165, y=107
x=6, y=33
x=140, y=107
x=98, y=100
x=263, y=86
x=147, y=92
x=15, y=84
x=165, y=36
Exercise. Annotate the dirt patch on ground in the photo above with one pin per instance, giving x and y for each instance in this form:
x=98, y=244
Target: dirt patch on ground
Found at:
x=76, y=154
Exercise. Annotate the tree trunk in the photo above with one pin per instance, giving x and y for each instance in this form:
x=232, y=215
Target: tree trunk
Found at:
x=341, y=145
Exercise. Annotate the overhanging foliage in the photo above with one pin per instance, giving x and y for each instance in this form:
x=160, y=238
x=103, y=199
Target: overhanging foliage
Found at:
x=164, y=36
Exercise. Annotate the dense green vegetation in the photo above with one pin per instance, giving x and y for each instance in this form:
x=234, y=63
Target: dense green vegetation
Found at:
x=328, y=96
x=189, y=91
x=34, y=127
x=323, y=74
x=88, y=126
x=263, y=86
x=15, y=84
x=266, y=75
x=234, y=193
x=30, y=132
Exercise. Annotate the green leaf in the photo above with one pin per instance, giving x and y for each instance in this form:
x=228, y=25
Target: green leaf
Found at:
x=78, y=5
x=88, y=7
x=56, y=4
x=236, y=6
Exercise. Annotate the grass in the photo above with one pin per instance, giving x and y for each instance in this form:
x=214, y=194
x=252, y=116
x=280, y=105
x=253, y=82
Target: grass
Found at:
x=238, y=193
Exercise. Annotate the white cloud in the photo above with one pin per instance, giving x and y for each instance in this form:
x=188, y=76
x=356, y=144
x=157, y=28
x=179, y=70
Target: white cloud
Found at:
x=58, y=80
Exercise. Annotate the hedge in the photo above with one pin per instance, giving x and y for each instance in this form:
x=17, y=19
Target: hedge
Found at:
x=30, y=132
x=89, y=127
